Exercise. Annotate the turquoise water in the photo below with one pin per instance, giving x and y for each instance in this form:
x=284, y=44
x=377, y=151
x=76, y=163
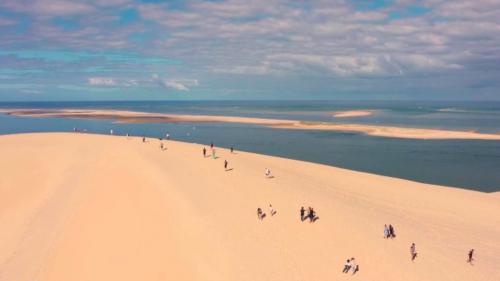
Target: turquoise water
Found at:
x=470, y=164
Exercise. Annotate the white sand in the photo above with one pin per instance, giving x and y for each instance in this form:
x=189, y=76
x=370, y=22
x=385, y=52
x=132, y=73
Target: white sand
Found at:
x=352, y=113
x=90, y=207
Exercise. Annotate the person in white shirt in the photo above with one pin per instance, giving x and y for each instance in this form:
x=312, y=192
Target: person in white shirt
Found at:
x=347, y=266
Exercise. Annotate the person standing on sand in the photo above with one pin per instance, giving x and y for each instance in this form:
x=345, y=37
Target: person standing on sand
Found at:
x=167, y=136
x=470, y=256
x=204, y=152
x=386, y=231
x=413, y=251
x=212, y=145
x=143, y=139
x=213, y=153
x=225, y=165
x=311, y=215
x=392, y=234
x=232, y=149
x=161, y=146
x=347, y=266
x=302, y=213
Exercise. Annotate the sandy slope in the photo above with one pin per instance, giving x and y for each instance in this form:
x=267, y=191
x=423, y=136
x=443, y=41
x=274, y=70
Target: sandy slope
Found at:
x=89, y=207
x=146, y=117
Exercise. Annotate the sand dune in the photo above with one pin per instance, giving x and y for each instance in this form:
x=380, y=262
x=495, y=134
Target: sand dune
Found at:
x=90, y=207
x=352, y=113
x=145, y=117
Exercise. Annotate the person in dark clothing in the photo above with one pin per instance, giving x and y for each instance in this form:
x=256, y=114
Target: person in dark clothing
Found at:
x=211, y=145
x=225, y=165
x=260, y=214
x=204, y=152
x=143, y=139
x=302, y=213
x=311, y=215
x=232, y=149
x=470, y=256
x=392, y=234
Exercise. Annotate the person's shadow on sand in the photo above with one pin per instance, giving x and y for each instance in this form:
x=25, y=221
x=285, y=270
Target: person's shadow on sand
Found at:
x=228, y=170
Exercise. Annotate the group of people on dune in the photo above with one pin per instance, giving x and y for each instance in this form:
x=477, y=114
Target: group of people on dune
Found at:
x=350, y=264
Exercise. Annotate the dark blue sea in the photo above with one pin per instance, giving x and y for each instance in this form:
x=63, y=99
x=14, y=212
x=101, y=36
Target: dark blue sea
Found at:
x=471, y=164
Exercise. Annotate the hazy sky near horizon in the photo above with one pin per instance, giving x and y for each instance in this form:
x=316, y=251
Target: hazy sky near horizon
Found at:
x=240, y=49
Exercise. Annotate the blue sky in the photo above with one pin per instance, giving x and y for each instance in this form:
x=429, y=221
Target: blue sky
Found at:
x=237, y=49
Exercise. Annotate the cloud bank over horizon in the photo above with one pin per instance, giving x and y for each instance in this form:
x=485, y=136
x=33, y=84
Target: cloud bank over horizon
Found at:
x=235, y=49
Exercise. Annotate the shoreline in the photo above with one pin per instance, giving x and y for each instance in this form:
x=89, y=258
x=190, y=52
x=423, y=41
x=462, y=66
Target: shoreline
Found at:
x=145, y=117
x=100, y=207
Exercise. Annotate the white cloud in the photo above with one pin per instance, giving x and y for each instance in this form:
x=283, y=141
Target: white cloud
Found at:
x=101, y=81
x=180, y=84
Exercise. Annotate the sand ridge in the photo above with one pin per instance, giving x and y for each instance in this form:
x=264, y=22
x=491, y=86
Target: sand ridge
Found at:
x=145, y=117
x=93, y=207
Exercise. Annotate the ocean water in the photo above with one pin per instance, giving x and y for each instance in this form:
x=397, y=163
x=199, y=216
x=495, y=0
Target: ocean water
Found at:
x=471, y=164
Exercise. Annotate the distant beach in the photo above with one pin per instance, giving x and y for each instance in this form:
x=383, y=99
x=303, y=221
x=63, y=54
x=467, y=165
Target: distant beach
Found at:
x=352, y=113
x=144, y=117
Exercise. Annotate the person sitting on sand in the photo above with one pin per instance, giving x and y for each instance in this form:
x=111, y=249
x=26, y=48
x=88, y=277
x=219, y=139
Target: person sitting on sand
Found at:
x=161, y=146
x=268, y=173
x=347, y=266
x=302, y=213
x=272, y=211
x=354, y=266
x=260, y=214
x=413, y=251
x=470, y=256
